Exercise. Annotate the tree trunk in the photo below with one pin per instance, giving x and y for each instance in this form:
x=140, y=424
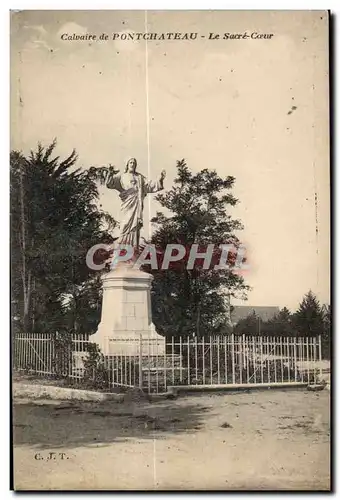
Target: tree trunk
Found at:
x=26, y=276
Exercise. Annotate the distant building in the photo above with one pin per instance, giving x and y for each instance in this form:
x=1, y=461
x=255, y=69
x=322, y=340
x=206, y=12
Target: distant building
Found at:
x=263, y=312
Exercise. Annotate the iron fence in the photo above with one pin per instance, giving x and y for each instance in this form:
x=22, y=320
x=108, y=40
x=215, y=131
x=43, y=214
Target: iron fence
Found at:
x=155, y=365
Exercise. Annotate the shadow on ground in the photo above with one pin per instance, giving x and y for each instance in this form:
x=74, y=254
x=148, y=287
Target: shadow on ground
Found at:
x=71, y=424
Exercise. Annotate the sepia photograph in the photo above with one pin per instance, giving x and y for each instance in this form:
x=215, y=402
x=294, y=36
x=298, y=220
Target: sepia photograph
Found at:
x=171, y=322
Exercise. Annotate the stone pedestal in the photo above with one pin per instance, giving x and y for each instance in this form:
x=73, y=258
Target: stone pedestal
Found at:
x=126, y=325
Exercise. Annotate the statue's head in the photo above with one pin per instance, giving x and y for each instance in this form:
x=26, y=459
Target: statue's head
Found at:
x=131, y=165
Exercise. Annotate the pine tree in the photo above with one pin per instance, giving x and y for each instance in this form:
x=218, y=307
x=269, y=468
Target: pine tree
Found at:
x=281, y=324
x=308, y=319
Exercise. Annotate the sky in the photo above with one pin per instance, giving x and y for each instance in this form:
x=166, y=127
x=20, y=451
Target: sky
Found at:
x=252, y=108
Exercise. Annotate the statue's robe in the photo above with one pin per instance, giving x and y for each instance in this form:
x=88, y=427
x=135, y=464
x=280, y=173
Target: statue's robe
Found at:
x=132, y=190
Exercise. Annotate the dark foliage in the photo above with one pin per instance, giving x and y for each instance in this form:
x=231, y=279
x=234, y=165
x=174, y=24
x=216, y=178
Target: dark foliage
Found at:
x=55, y=220
x=187, y=301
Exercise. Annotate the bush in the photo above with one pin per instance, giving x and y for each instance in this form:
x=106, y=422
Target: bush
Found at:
x=62, y=363
x=96, y=373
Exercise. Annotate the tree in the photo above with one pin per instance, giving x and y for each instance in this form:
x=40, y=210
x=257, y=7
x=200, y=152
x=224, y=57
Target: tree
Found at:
x=281, y=324
x=251, y=325
x=308, y=319
x=82, y=308
x=327, y=332
x=194, y=301
x=55, y=220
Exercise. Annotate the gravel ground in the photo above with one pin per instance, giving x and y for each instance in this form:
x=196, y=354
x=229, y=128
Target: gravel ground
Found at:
x=273, y=439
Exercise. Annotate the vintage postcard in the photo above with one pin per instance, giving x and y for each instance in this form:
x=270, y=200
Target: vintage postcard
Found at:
x=170, y=250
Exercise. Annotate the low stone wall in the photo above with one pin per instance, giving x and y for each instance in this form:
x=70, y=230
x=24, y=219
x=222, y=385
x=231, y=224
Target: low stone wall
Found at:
x=36, y=391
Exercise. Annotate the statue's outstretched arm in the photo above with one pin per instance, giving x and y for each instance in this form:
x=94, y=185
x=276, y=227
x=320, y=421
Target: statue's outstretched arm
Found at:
x=155, y=186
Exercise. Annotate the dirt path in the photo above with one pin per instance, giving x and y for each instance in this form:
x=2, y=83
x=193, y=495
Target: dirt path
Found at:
x=260, y=440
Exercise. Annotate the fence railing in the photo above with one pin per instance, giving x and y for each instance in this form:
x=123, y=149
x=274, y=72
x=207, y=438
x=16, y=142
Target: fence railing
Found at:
x=50, y=354
x=155, y=365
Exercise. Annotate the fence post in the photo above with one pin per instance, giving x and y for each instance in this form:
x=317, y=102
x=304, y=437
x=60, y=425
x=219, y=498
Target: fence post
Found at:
x=261, y=358
x=273, y=350
x=188, y=356
x=180, y=359
x=15, y=352
x=156, y=364
x=314, y=360
x=295, y=361
x=140, y=368
x=247, y=349
x=173, y=359
x=254, y=358
x=307, y=357
x=233, y=357
x=203, y=361
x=218, y=360
x=225, y=360
x=244, y=349
x=165, y=366
x=320, y=358
x=196, y=360
x=211, y=360
x=240, y=356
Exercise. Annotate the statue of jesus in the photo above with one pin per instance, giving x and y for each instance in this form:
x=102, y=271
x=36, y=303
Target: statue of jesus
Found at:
x=132, y=187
